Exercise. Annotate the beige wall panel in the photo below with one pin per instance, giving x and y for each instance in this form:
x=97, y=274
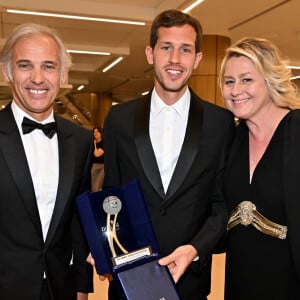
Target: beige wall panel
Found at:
x=207, y=65
x=204, y=87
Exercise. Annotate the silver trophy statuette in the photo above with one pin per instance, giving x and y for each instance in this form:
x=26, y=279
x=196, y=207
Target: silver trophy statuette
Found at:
x=112, y=206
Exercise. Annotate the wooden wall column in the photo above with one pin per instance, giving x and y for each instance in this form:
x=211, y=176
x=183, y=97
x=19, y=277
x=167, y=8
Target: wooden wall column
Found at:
x=104, y=102
x=204, y=80
x=97, y=104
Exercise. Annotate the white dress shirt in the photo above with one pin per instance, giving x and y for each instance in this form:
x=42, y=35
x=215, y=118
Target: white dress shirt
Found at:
x=42, y=158
x=167, y=131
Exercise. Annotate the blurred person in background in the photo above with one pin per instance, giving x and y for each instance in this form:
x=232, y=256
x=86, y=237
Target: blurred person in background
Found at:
x=98, y=161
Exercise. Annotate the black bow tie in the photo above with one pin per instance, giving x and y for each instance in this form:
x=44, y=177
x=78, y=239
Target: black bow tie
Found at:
x=28, y=125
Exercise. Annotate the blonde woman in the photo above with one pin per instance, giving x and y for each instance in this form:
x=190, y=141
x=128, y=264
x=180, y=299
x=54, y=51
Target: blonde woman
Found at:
x=262, y=176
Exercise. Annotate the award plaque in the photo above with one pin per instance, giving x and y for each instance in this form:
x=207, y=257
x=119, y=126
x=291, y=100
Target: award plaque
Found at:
x=122, y=242
x=112, y=206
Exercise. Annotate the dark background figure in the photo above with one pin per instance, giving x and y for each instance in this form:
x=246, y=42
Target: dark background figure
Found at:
x=43, y=167
x=175, y=144
x=97, y=171
x=263, y=246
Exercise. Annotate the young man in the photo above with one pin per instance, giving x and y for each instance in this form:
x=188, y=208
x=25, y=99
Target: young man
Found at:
x=175, y=144
x=43, y=167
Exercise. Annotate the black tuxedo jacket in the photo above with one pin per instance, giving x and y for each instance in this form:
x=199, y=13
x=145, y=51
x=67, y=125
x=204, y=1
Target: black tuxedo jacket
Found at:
x=24, y=255
x=189, y=212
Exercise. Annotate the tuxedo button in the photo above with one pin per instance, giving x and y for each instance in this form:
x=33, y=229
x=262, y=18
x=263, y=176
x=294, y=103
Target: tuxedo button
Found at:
x=163, y=212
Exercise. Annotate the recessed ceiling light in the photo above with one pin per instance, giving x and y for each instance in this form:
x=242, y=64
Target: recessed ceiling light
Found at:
x=294, y=67
x=37, y=13
x=112, y=64
x=88, y=52
x=192, y=6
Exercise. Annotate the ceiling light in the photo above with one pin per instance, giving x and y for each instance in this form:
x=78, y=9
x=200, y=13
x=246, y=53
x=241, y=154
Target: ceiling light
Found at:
x=112, y=64
x=193, y=5
x=36, y=13
x=88, y=52
x=294, y=67
x=295, y=77
x=80, y=87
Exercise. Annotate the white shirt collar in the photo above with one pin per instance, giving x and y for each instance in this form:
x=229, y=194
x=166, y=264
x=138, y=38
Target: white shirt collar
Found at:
x=181, y=106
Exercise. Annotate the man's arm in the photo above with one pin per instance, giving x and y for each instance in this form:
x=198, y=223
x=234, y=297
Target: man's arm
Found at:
x=214, y=228
x=211, y=231
x=83, y=270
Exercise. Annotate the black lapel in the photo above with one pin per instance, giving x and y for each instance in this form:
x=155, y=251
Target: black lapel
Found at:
x=13, y=152
x=189, y=147
x=144, y=146
x=66, y=148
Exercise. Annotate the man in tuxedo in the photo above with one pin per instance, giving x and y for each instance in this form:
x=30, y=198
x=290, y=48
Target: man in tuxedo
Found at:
x=175, y=144
x=45, y=162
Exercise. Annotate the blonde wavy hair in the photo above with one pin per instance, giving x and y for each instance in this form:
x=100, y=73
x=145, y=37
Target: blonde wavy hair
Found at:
x=268, y=60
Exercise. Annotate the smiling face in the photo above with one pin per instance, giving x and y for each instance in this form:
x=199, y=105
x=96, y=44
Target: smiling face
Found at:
x=244, y=89
x=174, y=58
x=35, y=75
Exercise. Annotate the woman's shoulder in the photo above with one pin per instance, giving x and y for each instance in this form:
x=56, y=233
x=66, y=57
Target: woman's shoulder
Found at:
x=293, y=117
x=293, y=122
x=295, y=113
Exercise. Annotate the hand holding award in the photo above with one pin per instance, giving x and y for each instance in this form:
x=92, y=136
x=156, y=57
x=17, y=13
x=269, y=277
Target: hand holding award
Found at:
x=122, y=242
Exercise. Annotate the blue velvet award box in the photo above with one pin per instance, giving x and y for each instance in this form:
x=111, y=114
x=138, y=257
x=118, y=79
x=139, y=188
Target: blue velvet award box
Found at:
x=122, y=242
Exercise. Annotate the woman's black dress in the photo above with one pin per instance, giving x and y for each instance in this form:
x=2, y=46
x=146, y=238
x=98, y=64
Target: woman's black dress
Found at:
x=258, y=266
